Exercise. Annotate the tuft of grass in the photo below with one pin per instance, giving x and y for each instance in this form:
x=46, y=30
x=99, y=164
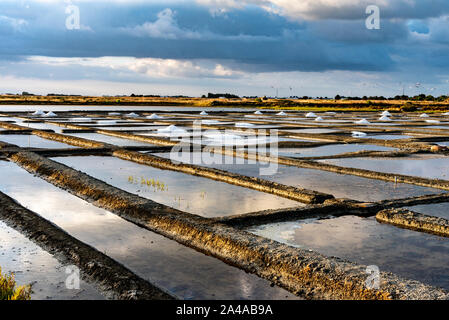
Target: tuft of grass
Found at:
x=10, y=291
x=156, y=184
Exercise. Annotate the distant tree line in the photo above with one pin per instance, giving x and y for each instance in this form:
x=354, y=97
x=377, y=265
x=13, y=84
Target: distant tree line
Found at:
x=421, y=97
x=62, y=95
x=221, y=95
x=144, y=96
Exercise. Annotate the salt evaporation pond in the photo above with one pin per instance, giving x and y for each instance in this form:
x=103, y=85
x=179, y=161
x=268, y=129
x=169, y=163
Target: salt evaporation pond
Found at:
x=32, y=141
x=10, y=119
x=118, y=128
x=110, y=139
x=185, y=192
x=42, y=126
x=339, y=185
x=414, y=255
x=388, y=137
x=322, y=131
x=172, y=266
x=425, y=166
x=330, y=150
x=32, y=265
x=440, y=210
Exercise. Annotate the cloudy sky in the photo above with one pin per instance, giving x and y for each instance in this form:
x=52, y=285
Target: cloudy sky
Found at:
x=247, y=47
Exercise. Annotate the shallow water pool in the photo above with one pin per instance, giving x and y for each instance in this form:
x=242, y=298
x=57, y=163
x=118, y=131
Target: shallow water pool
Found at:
x=32, y=141
x=179, y=269
x=431, y=167
x=339, y=185
x=408, y=253
x=32, y=265
x=205, y=197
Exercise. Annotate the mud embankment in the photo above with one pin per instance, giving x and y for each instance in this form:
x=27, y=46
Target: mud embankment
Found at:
x=281, y=215
x=415, y=221
x=414, y=201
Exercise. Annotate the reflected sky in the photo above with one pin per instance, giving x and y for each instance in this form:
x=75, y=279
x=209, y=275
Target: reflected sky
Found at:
x=340, y=185
x=10, y=119
x=109, y=139
x=411, y=254
x=32, y=265
x=185, y=192
x=422, y=166
x=387, y=136
x=43, y=126
x=181, y=270
x=312, y=130
x=440, y=210
x=329, y=150
x=32, y=141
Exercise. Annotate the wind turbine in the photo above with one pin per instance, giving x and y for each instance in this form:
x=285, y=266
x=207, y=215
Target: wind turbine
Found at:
x=277, y=91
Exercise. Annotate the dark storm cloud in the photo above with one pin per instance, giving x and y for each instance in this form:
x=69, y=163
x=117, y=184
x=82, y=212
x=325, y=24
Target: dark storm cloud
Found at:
x=249, y=39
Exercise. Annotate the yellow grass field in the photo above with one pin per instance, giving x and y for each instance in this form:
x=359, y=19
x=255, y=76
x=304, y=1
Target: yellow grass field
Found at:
x=284, y=104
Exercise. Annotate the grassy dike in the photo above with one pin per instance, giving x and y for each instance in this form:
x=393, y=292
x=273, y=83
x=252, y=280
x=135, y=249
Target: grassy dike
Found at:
x=276, y=104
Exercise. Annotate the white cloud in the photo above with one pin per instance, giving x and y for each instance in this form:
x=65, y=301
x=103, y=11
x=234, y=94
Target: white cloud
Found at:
x=312, y=9
x=164, y=27
x=16, y=24
x=182, y=68
x=151, y=67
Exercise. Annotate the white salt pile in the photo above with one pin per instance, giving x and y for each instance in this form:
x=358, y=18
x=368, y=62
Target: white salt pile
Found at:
x=171, y=129
x=38, y=113
x=311, y=115
x=424, y=115
x=258, y=112
x=432, y=121
x=363, y=121
x=50, y=114
x=132, y=115
x=154, y=116
x=203, y=113
x=384, y=118
x=446, y=114
x=319, y=119
x=386, y=114
x=282, y=113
